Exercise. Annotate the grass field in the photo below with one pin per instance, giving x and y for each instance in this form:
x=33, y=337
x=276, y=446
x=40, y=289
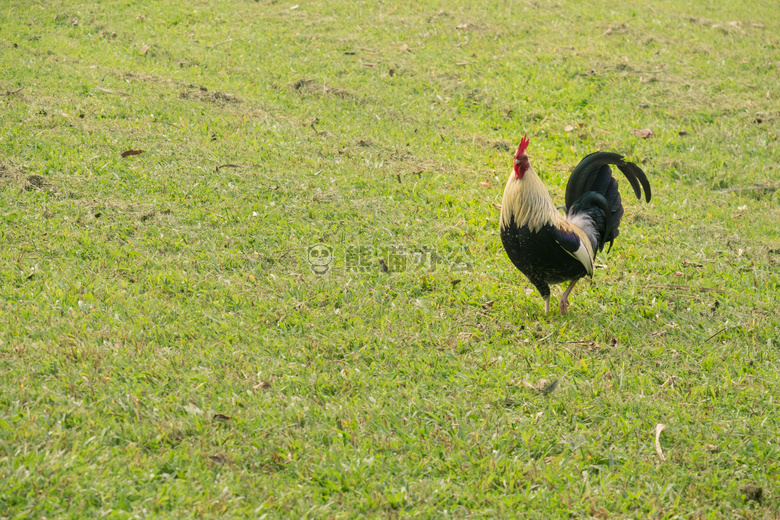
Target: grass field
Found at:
x=167, y=351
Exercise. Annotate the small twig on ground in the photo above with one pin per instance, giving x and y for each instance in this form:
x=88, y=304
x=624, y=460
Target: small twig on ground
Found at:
x=218, y=44
x=11, y=92
x=721, y=330
x=686, y=288
x=237, y=166
x=755, y=187
x=110, y=91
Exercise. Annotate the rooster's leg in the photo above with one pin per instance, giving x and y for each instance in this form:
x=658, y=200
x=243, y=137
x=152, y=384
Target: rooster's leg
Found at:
x=544, y=292
x=564, y=303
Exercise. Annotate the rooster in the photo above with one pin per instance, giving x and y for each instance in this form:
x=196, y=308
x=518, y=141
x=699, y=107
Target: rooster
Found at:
x=551, y=248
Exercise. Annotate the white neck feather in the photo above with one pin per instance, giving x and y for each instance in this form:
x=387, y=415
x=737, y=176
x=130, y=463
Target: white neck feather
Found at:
x=528, y=201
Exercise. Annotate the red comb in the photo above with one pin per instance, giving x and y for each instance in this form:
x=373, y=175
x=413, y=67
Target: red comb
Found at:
x=523, y=145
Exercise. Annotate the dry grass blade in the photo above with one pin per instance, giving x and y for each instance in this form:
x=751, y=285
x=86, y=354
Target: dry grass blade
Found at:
x=111, y=91
x=658, y=429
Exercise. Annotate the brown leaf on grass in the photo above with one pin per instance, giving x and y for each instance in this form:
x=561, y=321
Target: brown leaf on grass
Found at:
x=462, y=27
x=264, y=385
x=405, y=48
x=463, y=63
x=220, y=417
x=497, y=206
x=568, y=128
x=485, y=184
x=712, y=448
x=643, y=133
x=111, y=91
x=128, y=153
x=144, y=49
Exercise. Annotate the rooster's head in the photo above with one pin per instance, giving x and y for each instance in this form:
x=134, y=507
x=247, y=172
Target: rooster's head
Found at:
x=521, y=159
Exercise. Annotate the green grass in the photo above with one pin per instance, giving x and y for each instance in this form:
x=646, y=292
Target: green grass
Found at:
x=166, y=351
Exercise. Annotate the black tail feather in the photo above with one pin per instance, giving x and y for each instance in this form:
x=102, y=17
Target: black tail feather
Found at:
x=593, y=176
x=590, y=169
x=635, y=176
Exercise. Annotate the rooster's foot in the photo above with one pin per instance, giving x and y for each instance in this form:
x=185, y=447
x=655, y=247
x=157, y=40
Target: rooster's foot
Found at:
x=564, y=303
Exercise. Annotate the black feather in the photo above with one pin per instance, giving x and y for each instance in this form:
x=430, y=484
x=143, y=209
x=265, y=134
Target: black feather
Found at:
x=594, y=191
x=586, y=173
x=596, y=206
x=634, y=173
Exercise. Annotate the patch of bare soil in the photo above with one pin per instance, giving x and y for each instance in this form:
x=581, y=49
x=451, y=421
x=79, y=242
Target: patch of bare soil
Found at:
x=203, y=94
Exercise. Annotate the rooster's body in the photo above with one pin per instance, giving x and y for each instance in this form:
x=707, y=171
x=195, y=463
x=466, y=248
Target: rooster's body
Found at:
x=551, y=248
